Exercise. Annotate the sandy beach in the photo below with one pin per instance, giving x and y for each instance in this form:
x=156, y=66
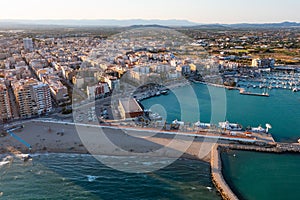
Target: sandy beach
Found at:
x=67, y=138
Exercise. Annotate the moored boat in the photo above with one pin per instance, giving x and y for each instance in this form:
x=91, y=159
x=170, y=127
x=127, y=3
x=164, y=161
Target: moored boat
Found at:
x=258, y=129
x=230, y=126
x=202, y=125
x=164, y=92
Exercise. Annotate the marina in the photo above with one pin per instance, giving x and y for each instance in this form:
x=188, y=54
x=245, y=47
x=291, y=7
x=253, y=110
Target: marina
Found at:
x=272, y=80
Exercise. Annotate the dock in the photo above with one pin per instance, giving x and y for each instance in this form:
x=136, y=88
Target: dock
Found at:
x=243, y=92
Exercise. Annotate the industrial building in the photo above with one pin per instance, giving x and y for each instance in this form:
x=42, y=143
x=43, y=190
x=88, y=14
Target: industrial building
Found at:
x=130, y=108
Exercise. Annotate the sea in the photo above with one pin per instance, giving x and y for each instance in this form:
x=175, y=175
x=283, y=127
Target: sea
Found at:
x=261, y=176
x=251, y=175
x=74, y=176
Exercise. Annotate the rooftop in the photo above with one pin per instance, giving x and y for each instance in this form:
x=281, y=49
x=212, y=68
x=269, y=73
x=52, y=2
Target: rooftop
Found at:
x=130, y=105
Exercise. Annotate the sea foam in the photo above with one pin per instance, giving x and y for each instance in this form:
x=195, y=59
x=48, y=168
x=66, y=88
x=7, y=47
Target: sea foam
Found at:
x=91, y=178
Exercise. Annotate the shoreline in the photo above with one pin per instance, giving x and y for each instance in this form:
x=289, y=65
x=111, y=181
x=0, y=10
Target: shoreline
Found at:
x=46, y=138
x=43, y=141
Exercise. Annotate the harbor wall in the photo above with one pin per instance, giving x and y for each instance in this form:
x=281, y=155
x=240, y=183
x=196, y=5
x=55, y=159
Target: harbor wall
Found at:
x=267, y=148
x=217, y=176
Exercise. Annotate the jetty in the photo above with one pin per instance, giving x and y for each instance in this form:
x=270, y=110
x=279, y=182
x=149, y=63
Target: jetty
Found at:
x=243, y=92
x=217, y=176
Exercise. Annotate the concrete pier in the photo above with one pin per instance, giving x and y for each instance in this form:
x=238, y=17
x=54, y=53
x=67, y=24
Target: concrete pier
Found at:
x=217, y=176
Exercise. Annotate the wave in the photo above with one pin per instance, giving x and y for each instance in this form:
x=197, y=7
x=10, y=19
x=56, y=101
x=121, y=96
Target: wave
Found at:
x=91, y=178
x=4, y=163
x=6, y=160
x=209, y=188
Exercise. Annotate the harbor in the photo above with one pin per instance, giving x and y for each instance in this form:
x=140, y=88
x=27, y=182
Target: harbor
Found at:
x=216, y=163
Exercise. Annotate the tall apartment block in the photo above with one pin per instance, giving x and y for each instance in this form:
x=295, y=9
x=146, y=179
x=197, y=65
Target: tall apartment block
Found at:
x=28, y=44
x=33, y=97
x=5, y=107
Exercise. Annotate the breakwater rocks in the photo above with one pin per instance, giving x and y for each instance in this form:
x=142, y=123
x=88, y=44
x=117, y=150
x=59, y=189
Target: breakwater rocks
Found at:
x=217, y=176
x=263, y=147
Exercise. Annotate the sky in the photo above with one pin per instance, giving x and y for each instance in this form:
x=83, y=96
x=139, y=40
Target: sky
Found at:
x=200, y=11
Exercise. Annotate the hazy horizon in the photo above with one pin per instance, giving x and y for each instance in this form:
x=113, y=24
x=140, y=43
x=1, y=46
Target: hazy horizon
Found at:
x=197, y=11
x=142, y=19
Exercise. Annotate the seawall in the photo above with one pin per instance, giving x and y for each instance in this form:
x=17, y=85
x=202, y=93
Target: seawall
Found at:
x=217, y=176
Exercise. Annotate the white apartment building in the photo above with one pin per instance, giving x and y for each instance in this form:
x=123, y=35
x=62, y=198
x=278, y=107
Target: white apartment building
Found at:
x=28, y=44
x=5, y=107
x=33, y=97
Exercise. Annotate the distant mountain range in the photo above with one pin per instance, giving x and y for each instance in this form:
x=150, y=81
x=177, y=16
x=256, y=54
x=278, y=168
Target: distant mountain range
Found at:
x=143, y=22
x=266, y=25
x=248, y=25
x=102, y=22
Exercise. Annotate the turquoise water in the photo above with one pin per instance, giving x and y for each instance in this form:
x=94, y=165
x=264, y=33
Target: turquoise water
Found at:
x=262, y=176
x=67, y=176
x=251, y=175
x=281, y=109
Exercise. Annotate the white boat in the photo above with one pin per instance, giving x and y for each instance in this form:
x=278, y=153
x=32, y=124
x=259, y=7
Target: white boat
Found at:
x=258, y=129
x=155, y=116
x=176, y=122
x=164, y=92
x=230, y=126
x=202, y=125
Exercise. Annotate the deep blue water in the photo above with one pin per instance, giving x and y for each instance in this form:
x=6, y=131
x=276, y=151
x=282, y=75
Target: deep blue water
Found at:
x=68, y=176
